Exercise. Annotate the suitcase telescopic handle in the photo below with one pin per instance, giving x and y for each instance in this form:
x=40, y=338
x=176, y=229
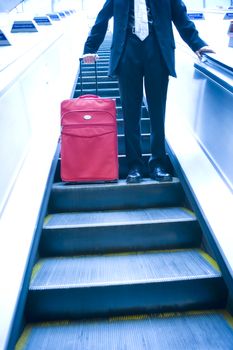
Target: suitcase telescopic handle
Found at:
x=81, y=76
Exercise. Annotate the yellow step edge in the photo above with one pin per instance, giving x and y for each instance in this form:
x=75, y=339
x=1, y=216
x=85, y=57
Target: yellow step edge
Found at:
x=210, y=260
x=226, y=315
x=189, y=211
x=47, y=218
x=21, y=343
x=36, y=269
x=229, y=318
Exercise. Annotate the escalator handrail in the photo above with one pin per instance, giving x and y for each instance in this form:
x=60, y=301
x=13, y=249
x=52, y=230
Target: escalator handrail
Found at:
x=217, y=71
x=222, y=65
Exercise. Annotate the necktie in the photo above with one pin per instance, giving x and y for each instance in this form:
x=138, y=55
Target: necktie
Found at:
x=141, y=19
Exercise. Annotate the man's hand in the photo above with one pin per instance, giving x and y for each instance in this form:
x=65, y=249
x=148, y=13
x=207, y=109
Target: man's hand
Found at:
x=204, y=49
x=90, y=58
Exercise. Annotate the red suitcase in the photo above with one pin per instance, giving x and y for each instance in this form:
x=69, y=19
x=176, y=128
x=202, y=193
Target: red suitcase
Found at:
x=89, y=151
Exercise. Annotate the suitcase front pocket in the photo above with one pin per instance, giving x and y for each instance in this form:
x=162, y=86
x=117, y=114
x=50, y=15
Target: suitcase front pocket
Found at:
x=89, y=153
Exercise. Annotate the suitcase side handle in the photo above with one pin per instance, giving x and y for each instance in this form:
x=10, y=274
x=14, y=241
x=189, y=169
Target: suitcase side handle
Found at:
x=81, y=76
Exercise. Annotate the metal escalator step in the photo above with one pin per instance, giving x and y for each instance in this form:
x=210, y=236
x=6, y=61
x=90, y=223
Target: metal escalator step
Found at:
x=145, y=126
x=122, y=269
x=91, y=74
x=91, y=78
x=123, y=167
x=114, y=92
x=104, y=51
x=108, y=93
x=144, y=113
x=192, y=330
x=122, y=230
x=145, y=143
x=117, y=284
x=101, y=85
x=104, y=55
x=84, y=197
x=89, y=68
x=103, y=68
x=119, y=217
x=101, y=62
x=116, y=98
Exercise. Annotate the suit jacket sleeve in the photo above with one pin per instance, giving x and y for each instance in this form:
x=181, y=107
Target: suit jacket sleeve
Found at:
x=185, y=26
x=99, y=29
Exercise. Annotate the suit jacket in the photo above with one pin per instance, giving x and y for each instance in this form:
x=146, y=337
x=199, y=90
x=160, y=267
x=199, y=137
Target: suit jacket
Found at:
x=164, y=12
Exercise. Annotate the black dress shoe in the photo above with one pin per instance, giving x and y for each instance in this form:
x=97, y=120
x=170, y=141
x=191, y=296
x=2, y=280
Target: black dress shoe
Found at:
x=134, y=176
x=160, y=174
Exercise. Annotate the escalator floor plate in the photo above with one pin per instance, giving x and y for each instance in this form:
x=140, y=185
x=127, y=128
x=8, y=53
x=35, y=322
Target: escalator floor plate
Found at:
x=193, y=330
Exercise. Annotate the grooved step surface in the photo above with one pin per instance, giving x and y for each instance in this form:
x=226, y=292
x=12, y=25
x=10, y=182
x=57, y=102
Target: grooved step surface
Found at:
x=187, y=331
x=101, y=85
x=144, y=113
x=92, y=69
x=100, y=68
x=103, y=58
x=114, y=93
x=120, y=184
x=118, y=269
x=101, y=79
x=145, y=143
x=145, y=125
x=91, y=73
x=121, y=217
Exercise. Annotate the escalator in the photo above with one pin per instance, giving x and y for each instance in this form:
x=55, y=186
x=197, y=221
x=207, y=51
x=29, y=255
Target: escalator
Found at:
x=123, y=266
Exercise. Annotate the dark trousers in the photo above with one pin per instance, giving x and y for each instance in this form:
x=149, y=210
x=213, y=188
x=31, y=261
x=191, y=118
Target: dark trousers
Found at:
x=142, y=60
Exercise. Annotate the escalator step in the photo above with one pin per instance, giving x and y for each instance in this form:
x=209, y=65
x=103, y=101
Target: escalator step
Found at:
x=145, y=143
x=101, y=85
x=115, y=95
x=114, y=92
x=84, y=197
x=103, y=73
x=192, y=330
x=144, y=113
x=122, y=230
x=104, y=60
x=87, y=70
x=123, y=167
x=91, y=78
x=145, y=126
x=118, y=284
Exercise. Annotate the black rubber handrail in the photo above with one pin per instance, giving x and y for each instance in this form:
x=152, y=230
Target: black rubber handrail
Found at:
x=217, y=71
x=215, y=62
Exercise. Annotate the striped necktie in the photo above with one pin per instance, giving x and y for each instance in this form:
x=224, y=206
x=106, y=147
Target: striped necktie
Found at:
x=141, y=19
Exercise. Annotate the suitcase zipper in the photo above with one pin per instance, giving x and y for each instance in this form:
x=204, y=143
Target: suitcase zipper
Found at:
x=87, y=125
x=87, y=112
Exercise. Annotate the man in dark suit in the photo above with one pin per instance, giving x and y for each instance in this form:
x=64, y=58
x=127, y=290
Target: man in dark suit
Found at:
x=143, y=50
